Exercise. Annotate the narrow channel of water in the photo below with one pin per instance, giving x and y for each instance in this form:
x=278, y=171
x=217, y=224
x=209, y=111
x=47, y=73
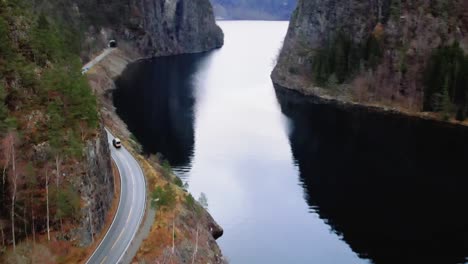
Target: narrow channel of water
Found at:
x=292, y=181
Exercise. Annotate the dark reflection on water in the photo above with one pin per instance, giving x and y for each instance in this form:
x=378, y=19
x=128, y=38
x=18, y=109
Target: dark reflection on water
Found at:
x=153, y=93
x=394, y=188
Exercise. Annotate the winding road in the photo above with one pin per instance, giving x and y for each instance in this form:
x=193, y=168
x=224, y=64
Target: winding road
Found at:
x=96, y=60
x=130, y=211
x=132, y=201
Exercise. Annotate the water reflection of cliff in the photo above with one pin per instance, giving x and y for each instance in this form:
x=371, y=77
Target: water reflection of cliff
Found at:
x=395, y=189
x=155, y=99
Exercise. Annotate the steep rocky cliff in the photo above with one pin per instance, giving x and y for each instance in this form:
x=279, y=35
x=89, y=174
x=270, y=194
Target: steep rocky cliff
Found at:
x=371, y=51
x=152, y=27
x=97, y=187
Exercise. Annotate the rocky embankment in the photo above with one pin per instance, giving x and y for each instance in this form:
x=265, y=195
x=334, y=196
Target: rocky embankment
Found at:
x=375, y=52
x=189, y=220
x=97, y=187
x=156, y=29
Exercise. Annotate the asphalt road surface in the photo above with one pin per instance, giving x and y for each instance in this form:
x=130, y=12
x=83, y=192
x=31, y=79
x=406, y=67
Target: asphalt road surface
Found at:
x=130, y=211
x=96, y=60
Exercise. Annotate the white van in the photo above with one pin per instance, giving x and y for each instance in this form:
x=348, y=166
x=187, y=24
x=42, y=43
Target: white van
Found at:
x=116, y=142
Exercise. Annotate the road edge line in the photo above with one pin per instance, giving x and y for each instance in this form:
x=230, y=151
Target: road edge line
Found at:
x=141, y=214
x=118, y=206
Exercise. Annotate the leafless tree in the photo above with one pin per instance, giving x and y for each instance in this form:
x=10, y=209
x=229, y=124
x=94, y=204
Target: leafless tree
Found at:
x=379, y=2
x=33, y=226
x=173, y=236
x=6, y=146
x=58, y=162
x=196, y=247
x=47, y=202
x=11, y=143
x=25, y=222
x=3, y=234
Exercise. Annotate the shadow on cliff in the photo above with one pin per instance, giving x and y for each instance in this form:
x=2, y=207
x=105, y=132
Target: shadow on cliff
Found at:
x=394, y=188
x=155, y=98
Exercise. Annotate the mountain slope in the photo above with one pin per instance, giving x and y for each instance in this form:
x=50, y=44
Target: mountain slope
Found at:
x=152, y=28
x=391, y=52
x=56, y=166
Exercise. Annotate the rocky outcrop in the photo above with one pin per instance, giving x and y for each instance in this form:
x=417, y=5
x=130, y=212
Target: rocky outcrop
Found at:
x=97, y=188
x=406, y=33
x=152, y=27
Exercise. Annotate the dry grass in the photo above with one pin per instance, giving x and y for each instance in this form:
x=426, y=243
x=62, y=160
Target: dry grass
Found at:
x=159, y=240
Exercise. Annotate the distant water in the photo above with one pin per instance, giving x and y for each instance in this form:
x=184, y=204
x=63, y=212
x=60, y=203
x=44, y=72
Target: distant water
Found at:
x=292, y=181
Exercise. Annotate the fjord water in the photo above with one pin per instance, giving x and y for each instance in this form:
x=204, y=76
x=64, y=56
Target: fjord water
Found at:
x=290, y=180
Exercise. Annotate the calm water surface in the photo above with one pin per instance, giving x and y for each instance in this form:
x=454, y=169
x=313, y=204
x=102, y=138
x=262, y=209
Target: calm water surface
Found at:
x=292, y=181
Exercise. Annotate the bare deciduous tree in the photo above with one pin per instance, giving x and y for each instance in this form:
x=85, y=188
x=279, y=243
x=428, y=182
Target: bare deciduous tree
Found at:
x=11, y=143
x=47, y=203
x=173, y=236
x=7, y=155
x=196, y=246
x=58, y=162
x=25, y=222
x=3, y=234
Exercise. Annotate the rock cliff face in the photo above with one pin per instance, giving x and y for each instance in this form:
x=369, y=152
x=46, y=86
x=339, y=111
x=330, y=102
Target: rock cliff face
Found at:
x=97, y=187
x=402, y=33
x=153, y=27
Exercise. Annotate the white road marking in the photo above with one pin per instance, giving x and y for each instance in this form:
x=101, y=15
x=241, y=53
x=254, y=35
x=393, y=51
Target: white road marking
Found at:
x=118, y=238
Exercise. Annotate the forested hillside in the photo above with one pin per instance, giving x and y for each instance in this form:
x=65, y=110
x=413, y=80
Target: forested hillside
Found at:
x=57, y=183
x=48, y=123
x=254, y=9
x=410, y=55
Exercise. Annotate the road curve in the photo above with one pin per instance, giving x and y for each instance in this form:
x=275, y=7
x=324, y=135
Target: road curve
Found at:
x=130, y=211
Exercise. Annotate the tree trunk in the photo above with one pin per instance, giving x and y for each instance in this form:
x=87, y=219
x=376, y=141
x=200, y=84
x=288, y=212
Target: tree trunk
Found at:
x=61, y=227
x=380, y=10
x=3, y=178
x=5, y=166
x=173, y=236
x=31, y=203
x=33, y=227
x=57, y=169
x=25, y=223
x=3, y=235
x=47, y=201
x=196, y=247
x=13, y=198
